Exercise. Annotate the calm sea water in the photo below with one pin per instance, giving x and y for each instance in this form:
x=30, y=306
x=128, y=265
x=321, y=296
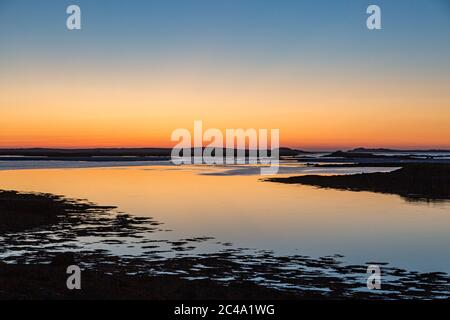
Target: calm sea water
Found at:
x=234, y=205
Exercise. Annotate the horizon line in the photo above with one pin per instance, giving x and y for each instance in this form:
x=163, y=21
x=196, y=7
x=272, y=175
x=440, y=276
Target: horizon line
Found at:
x=307, y=149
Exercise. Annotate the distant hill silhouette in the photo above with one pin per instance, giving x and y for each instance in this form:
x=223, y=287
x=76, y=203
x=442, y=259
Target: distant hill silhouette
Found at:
x=369, y=150
x=109, y=152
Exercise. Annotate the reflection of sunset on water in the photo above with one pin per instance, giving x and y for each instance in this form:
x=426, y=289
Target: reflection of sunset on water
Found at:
x=251, y=213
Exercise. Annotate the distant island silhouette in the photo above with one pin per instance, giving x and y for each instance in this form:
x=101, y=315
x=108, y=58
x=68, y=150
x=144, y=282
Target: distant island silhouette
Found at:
x=385, y=150
x=108, y=152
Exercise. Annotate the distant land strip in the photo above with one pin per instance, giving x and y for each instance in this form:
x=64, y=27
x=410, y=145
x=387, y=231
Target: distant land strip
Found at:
x=116, y=152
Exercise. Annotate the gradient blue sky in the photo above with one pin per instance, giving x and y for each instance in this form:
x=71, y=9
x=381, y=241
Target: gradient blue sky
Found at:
x=221, y=46
x=247, y=31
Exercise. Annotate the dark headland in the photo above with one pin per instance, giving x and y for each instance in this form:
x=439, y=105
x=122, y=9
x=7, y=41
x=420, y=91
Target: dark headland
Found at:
x=412, y=181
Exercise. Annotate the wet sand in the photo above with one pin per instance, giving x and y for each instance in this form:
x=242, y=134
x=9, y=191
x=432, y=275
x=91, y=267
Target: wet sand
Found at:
x=46, y=225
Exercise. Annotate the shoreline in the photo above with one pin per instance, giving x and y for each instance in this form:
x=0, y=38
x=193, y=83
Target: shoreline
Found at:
x=41, y=274
x=22, y=212
x=429, y=182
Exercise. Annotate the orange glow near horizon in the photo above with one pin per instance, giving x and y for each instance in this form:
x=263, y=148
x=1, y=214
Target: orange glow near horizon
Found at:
x=138, y=111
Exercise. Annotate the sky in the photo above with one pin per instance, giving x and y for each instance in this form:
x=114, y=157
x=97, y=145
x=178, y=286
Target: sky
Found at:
x=137, y=70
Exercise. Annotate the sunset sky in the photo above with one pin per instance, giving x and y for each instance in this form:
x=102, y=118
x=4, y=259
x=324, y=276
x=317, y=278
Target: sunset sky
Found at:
x=137, y=70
